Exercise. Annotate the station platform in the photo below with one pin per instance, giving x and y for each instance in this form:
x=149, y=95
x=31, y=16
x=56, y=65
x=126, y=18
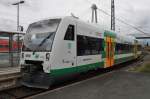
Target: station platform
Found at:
x=9, y=77
x=9, y=70
x=114, y=85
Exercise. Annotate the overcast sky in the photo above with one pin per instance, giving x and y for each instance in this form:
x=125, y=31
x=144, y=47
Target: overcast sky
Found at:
x=136, y=12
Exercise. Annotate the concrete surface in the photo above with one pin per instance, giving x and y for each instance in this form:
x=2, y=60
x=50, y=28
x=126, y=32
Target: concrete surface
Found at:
x=117, y=85
x=9, y=77
x=9, y=70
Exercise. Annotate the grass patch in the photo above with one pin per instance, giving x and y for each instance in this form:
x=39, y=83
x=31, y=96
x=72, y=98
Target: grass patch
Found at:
x=144, y=68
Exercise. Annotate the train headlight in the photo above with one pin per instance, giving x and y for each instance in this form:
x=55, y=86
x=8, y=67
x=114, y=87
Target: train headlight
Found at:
x=47, y=56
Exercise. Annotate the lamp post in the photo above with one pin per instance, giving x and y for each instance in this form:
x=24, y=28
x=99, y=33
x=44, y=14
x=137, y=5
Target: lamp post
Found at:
x=18, y=8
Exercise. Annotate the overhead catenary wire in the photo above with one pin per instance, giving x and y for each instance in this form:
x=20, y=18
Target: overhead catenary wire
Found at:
x=122, y=21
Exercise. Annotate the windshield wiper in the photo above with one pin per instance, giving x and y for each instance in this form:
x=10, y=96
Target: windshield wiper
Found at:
x=44, y=40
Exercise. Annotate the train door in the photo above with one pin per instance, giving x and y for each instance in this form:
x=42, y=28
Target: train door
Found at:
x=70, y=46
x=109, y=52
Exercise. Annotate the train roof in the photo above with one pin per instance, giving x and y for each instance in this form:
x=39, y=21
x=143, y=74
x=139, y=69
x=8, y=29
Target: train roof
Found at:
x=121, y=38
x=72, y=18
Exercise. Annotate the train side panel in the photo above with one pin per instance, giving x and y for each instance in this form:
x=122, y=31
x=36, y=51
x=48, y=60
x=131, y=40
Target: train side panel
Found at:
x=89, y=47
x=65, y=58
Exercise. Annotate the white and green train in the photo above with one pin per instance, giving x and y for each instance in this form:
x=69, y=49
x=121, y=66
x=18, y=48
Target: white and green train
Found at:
x=57, y=48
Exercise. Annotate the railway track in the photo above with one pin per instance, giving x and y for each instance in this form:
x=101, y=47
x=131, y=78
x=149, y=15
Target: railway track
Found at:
x=24, y=92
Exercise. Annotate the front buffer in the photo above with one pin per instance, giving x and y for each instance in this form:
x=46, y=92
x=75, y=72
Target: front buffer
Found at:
x=34, y=76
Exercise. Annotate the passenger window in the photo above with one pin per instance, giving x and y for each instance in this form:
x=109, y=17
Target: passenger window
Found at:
x=70, y=33
x=89, y=45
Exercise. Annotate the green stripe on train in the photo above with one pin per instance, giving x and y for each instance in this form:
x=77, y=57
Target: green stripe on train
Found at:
x=77, y=69
x=110, y=34
x=84, y=68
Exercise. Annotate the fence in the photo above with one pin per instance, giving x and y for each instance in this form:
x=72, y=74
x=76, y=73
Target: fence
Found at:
x=10, y=47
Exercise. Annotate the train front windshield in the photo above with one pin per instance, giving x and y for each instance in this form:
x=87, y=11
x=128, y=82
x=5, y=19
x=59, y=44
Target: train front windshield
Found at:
x=40, y=35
